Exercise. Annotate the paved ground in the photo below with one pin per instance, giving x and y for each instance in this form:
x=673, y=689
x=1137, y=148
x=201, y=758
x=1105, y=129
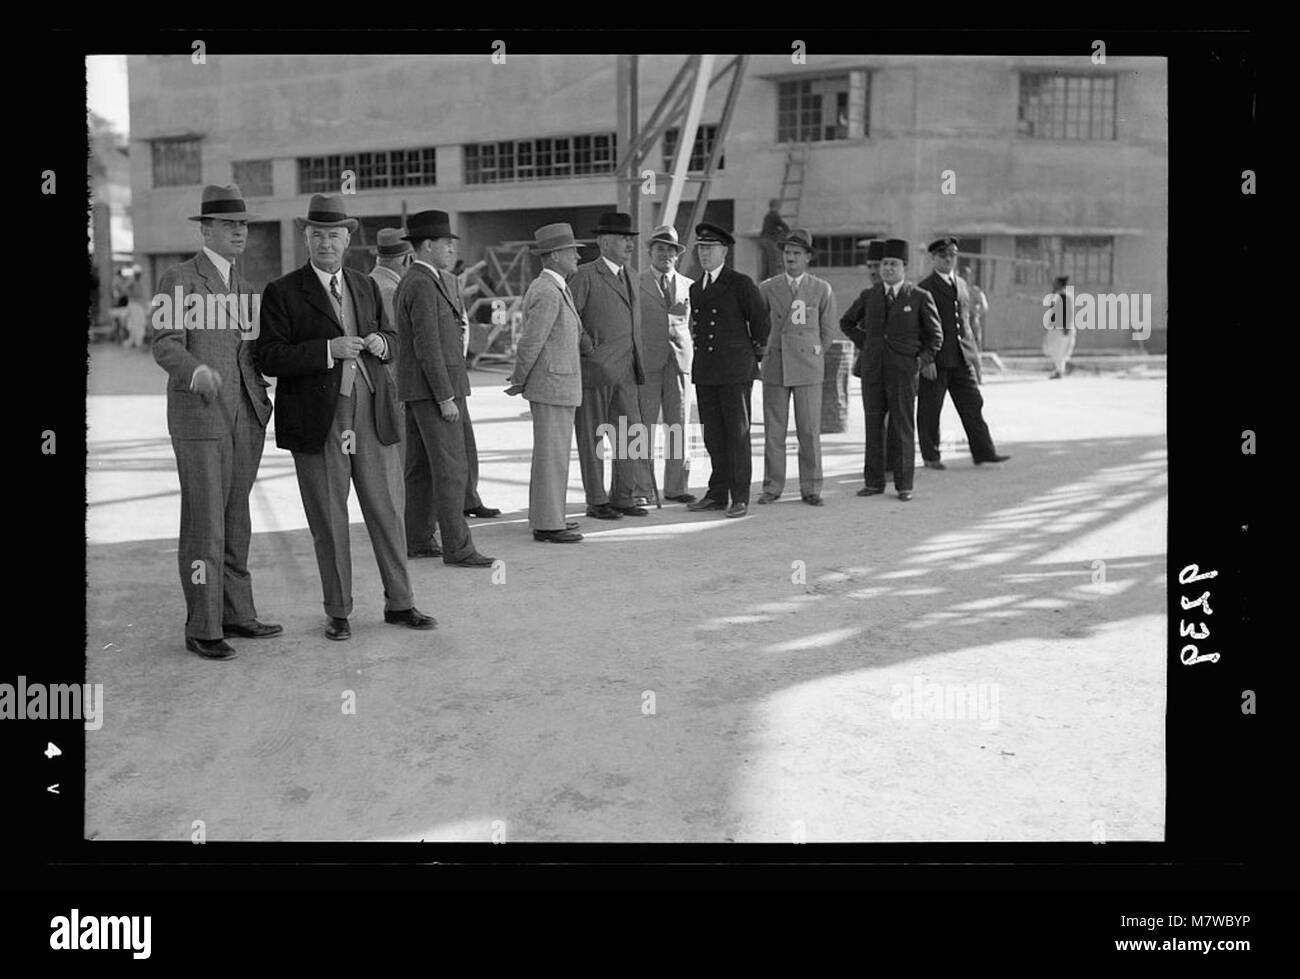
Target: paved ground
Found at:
x=954, y=668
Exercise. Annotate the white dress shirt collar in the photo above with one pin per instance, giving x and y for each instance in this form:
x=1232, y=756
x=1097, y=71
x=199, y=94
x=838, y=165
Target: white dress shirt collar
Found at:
x=617, y=270
x=326, y=276
x=222, y=264
x=793, y=283
x=557, y=277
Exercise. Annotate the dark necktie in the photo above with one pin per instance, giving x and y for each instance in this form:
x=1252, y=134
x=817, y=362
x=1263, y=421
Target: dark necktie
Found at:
x=336, y=295
x=666, y=283
x=889, y=299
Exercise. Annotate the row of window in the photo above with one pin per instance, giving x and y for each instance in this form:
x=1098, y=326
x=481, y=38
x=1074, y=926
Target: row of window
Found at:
x=819, y=109
x=1039, y=258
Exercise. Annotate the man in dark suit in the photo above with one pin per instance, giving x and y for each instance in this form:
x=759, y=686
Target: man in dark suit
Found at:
x=433, y=382
x=607, y=301
x=666, y=331
x=729, y=326
x=326, y=337
x=954, y=369
x=217, y=410
x=899, y=333
x=852, y=320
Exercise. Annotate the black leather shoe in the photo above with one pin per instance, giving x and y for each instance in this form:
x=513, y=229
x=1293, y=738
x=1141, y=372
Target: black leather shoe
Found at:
x=632, y=511
x=934, y=464
x=682, y=498
x=706, y=503
x=475, y=560
x=252, y=629
x=429, y=550
x=904, y=495
x=556, y=536
x=604, y=512
x=483, y=511
x=411, y=617
x=338, y=629
x=211, y=648
x=992, y=458
x=812, y=499
x=737, y=510
x=870, y=491
x=768, y=498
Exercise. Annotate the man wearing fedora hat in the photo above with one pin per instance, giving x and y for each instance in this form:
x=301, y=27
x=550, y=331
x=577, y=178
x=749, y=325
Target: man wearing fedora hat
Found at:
x=612, y=367
x=326, y=337
x=803, y=321
x=548, y=374
x=666, y=332
x=954, y=371
x=217, y=410
x=729, y=326
x=899, y=333
x=433, y=382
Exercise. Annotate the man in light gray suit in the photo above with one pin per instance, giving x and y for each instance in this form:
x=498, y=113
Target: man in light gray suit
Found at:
x=217, y=410
x=547, y=374
x=665, y=296
x=610, y=311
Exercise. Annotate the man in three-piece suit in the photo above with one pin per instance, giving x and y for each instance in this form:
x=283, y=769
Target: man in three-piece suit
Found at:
x=803, y=322
x=548, y=374
x=666, y=335
x=433, y=383
x=217, y=410
x=324, y=334
x=899, y=333
x=729, y=328
x=612, y=368
x=954, y=370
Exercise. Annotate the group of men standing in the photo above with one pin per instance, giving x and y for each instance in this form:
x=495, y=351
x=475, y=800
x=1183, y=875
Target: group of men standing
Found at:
x=362, y=361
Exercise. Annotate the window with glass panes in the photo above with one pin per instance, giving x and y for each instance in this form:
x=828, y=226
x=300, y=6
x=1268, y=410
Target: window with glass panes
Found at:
x=1087, y=260
x=545, y=158
x=1058, y=106
x=705, y=136
x=374, y=170
x=840, y=251
x=823, y=108
x=177, y=162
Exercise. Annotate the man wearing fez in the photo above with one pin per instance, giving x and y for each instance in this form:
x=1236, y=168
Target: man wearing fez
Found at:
x=611, y=370
x=217, y=409
x=801, y=307
x=729, y=327
x=875, y=252
x=666, y=333
x=326, y=336
x=899, y=333
x=433, y=383
x=954, y=369
x=547, y=374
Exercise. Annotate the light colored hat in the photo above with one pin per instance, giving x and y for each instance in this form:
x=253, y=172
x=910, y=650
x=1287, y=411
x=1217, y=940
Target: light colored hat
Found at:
x=552, y=237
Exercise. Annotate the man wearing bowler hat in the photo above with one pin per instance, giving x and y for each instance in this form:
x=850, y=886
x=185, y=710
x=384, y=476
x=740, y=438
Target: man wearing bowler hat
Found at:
x=548, y=374
x=899, y=333
x=803, y=322
x=954, y=369
x=729, y=327
x=433, y=382
x=666, y=333
x=217, y=410
x=326, y=337
x=611, y=370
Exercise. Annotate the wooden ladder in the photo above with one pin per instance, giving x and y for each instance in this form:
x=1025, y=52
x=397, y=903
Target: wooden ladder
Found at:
x=796, y=162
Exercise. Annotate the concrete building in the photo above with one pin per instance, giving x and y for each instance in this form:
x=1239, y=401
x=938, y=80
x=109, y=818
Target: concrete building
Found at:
x=1039, y=165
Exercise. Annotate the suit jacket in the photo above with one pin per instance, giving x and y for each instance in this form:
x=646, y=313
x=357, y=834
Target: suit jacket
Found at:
x=387, y=281
x=298, y=322
x=611, y=321
x=796, y=351
x=954, y=306
x=729, y=325
x=179, y=351
x=666, y=334
x=547, y=360
x=430, y=358
x=911, y=328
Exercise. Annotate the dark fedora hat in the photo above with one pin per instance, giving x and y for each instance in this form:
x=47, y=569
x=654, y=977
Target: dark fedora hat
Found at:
x=801, y=237
x=226, y=203
x=389, y=241
x=941, y=244
x=326, y=211
x=614, y=223
x=552, y=237
x=711, y=234
x=895, y=248
x=428, y=224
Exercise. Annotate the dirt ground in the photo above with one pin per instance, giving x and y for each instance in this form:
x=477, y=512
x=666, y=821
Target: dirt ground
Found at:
x=985, y=662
